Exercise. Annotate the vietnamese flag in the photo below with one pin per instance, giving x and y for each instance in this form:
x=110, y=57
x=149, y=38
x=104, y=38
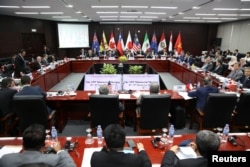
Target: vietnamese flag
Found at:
x=178, y=44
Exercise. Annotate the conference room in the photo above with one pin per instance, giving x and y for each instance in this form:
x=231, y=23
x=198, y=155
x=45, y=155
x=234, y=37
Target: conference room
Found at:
x=157, y=33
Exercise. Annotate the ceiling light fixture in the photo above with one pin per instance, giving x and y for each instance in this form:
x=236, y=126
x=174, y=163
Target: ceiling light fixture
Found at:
x=9, y=7
x=163, y=7
x=104, y=6
x=36, y=7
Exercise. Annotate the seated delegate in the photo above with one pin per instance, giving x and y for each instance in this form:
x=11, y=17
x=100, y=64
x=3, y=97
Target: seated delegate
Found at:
x=112, y=154
x=33, y=147
x=205, y=142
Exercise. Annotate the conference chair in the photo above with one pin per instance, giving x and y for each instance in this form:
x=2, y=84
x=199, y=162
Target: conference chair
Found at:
x=104, y=110
x=153, y=115
x=241, y=116
x=217, y=112
x=32, y=109
x=7, y=124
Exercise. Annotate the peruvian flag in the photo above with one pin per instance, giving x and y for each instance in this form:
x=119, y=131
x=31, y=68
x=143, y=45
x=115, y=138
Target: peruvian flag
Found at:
x=170, y=45
x=112, y=44
x=162, y=44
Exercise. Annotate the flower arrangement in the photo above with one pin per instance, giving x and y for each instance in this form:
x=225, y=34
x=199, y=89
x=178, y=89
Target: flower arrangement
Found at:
x=122, y=59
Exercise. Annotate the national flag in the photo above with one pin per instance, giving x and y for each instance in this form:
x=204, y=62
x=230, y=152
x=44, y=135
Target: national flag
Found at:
x=146, y=44
x=178, y=44
x=170, y=45
x=162, y=44
x=112, y=44
x=120, y=44
x=189, y=86
x=104, y=44
x=153, y=45
x=129, y=43
x=136, y=44
x=95, y=43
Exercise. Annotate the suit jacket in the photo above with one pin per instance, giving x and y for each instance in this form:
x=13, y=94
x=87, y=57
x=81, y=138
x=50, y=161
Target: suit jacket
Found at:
x=36, y=66
x=119, y=159
x=245, y=82
x=61, y=159
x=19, y=66
x=218, y=70
x=32, y=90
x=208, y=67
x=201, y=95
x=6, y=96
x=235, y=75
x=171, y=160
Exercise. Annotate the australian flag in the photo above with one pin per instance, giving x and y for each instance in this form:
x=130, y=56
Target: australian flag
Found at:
x=95, y=43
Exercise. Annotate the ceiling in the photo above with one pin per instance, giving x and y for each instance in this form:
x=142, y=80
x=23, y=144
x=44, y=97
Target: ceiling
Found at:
x=129, y=11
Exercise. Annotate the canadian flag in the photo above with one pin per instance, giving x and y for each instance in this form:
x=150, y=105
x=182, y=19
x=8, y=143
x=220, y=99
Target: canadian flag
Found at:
x=189, y=86
x=112, y=44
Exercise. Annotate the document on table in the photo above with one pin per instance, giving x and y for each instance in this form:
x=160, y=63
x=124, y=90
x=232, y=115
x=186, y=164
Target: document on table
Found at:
x=184, y=95
x=7, y=149
x=89, y=151
x=186, y=152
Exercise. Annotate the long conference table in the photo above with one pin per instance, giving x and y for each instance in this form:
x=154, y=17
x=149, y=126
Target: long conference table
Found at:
x=76, y=107
x=155, y=154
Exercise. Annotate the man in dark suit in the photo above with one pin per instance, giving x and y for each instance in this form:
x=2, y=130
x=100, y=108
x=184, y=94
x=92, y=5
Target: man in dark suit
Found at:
x=245, y=80
x=6, y=95
x=31, y=90
x=20, y=64
x=208, y=64
x=38, y=63
x=33, y=147
x=28, y=89
x=202, y=93
x=112, y=154
x=205, y=142
x=218, y=67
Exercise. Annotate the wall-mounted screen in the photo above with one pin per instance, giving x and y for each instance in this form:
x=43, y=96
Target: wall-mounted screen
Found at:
x=73, y=35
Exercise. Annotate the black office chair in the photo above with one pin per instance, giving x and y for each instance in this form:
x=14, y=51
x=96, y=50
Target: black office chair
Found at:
x=154, y=113
x=104, y=110
x=241, y=118
x=217, y=112
x=32, y=109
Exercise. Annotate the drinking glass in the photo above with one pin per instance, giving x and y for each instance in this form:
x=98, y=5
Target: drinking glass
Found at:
x=89, y=138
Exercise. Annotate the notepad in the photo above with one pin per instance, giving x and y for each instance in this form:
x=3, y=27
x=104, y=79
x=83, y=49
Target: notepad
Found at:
x=7, y=149
x=186, y=152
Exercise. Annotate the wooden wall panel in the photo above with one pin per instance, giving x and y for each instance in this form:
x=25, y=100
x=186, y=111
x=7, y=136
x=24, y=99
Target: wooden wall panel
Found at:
x=195, y=37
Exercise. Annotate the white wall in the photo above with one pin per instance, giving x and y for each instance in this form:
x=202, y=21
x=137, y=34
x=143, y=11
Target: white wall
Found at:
x=235, y=35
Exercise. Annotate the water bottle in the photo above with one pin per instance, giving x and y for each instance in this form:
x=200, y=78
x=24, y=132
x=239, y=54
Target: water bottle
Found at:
x=99, y=134
x=72, y=87
x=225, y=134
x=171, y=134
x=198, y=84
x=97, y=89
x=54, y=134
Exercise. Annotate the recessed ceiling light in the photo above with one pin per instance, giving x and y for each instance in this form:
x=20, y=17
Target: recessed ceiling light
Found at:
x=182, y=20
x=69, y=6
x=163, y=7
x=196, y=7
x=131, y=12
x=160, y=13
x=36, y=7
x=225, y=9
x=128, y=16
x=9, y=7
x=180, y=13
x=227, y=14
x=108, y=16
x=78, y=12
x=51, y=12
x=245, y=9
x=104, y=6
x=70, y=20
x=205, y=14
x=26, y=13
x=107, y=12
x=210, y=18
x=228, y=18
x=134, y=7
x=244, y=15
x=149, y=17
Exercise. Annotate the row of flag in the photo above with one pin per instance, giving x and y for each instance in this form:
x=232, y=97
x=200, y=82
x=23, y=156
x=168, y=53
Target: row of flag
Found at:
x=135, y=44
